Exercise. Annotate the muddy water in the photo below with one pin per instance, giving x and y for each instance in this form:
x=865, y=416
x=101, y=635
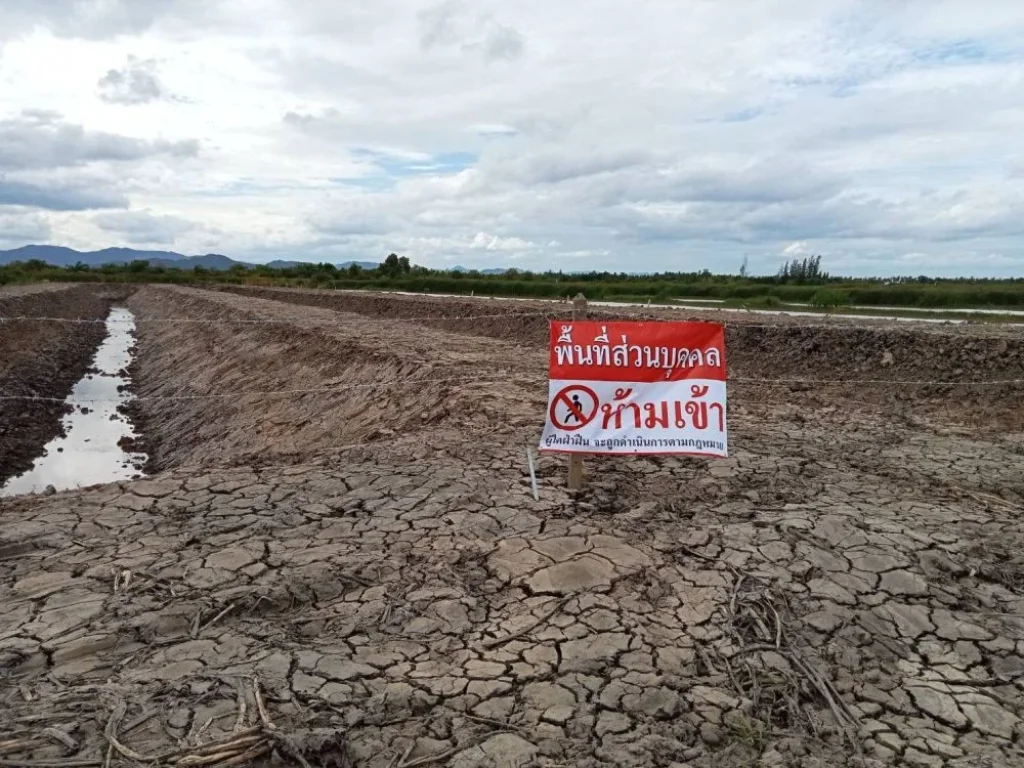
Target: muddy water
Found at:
x=89, y=453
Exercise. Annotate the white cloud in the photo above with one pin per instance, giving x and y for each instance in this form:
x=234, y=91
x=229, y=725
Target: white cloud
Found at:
x=494, y=243
x=795, y=249
x=137, y=82
x=672, y=135
x=143, y=227
x=17, y=229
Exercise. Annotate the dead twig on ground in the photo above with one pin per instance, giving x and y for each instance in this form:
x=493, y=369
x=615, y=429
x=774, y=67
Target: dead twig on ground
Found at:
x=503, y=725
x=698, y=555
x=845, y=718
x=144, y=717
x=987, y=499
x=241, y=694
x=58, y=735
x=735, y=594
x=450, y=752
x=219, y=616
x=400, y=759
x=778, y=620
x=260, y=706
x=559, y=604
x=110, y=732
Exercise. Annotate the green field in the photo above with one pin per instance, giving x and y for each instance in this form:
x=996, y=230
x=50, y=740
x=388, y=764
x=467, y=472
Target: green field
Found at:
x=820, y=292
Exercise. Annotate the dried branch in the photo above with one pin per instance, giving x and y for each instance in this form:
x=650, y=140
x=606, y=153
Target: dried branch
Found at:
x=559, y=604
x=450, y=752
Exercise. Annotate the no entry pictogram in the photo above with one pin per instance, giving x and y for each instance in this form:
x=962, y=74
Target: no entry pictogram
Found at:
x=581, y=404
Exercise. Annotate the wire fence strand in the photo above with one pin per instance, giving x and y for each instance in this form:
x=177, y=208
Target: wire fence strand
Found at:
x=785, y=322
x=259, y=321
x=71, y=400
x=499, y=377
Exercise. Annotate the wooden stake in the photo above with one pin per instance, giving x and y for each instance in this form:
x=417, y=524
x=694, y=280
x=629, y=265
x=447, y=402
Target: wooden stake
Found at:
x=579, y=312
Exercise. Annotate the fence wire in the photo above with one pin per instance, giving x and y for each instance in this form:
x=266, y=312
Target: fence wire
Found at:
x=502, y=377
x=258, y=321
x=845, y=323
x=71, y=400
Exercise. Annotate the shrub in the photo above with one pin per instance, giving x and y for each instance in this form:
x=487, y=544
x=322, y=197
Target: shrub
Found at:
x=827, y=299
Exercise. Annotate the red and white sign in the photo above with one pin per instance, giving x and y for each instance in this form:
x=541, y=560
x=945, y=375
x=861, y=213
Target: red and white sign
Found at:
x=636, y=387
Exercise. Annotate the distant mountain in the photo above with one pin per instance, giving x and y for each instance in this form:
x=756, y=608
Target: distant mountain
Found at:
x=59, y=256
x=66, y=257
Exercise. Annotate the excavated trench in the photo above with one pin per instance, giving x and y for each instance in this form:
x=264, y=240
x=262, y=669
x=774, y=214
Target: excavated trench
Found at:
x=43, y=356
x=250, y=381
x=96, y=435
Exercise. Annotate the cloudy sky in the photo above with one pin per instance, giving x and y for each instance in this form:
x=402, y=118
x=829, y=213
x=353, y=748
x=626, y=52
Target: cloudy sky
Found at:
x=886, y=135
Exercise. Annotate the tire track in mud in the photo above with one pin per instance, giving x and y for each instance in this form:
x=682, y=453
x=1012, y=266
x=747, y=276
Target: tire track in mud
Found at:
x=43, y=359
x=460, y=388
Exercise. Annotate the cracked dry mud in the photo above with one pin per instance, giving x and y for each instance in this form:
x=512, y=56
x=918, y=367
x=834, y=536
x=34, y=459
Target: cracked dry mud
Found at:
x=845, y=590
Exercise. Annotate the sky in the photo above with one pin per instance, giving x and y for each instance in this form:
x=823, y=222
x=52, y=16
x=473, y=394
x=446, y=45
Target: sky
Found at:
x=655, y=135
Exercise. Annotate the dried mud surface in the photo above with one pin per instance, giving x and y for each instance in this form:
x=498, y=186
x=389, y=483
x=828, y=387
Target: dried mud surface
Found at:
x=383, y=590
x=42, y=359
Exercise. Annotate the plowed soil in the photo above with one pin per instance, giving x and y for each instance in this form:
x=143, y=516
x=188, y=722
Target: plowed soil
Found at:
x=913, y=367
x=355, y=571
x=42, y=359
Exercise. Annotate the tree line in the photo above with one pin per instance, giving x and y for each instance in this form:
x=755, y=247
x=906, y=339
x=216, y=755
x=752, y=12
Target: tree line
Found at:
x=797, y=281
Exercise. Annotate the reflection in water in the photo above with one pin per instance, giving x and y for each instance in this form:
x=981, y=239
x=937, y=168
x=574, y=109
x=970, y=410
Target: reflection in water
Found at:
x=90, y=454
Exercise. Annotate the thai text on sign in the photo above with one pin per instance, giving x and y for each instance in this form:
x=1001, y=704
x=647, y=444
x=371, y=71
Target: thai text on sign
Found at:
x=636, y=387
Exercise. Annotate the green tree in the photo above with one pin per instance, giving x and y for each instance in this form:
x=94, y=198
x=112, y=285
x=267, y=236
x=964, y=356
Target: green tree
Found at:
x=395, y=266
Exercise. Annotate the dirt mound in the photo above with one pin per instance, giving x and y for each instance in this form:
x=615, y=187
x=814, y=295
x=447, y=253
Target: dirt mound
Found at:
x=43, y=359
x=864, y=363
x=335, y=384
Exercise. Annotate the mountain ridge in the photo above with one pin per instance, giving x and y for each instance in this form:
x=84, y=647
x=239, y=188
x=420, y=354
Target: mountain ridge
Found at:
x=61, y=256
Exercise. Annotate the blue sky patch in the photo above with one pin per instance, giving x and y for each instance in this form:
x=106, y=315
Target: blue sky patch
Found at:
x=398, y=165
x=954, y=52
x=743, y=115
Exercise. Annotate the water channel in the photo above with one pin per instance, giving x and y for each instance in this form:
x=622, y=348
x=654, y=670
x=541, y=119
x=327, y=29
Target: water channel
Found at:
x=91, y=452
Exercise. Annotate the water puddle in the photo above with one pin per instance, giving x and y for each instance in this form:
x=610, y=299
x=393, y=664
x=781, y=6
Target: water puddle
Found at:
x=98, y=436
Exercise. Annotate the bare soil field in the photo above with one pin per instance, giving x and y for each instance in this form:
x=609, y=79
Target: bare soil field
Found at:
x=43, y=359
x=767, y=349
x=355, y=572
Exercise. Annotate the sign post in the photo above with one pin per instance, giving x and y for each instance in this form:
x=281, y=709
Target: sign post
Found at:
x=579, y=312
x=635, y=388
